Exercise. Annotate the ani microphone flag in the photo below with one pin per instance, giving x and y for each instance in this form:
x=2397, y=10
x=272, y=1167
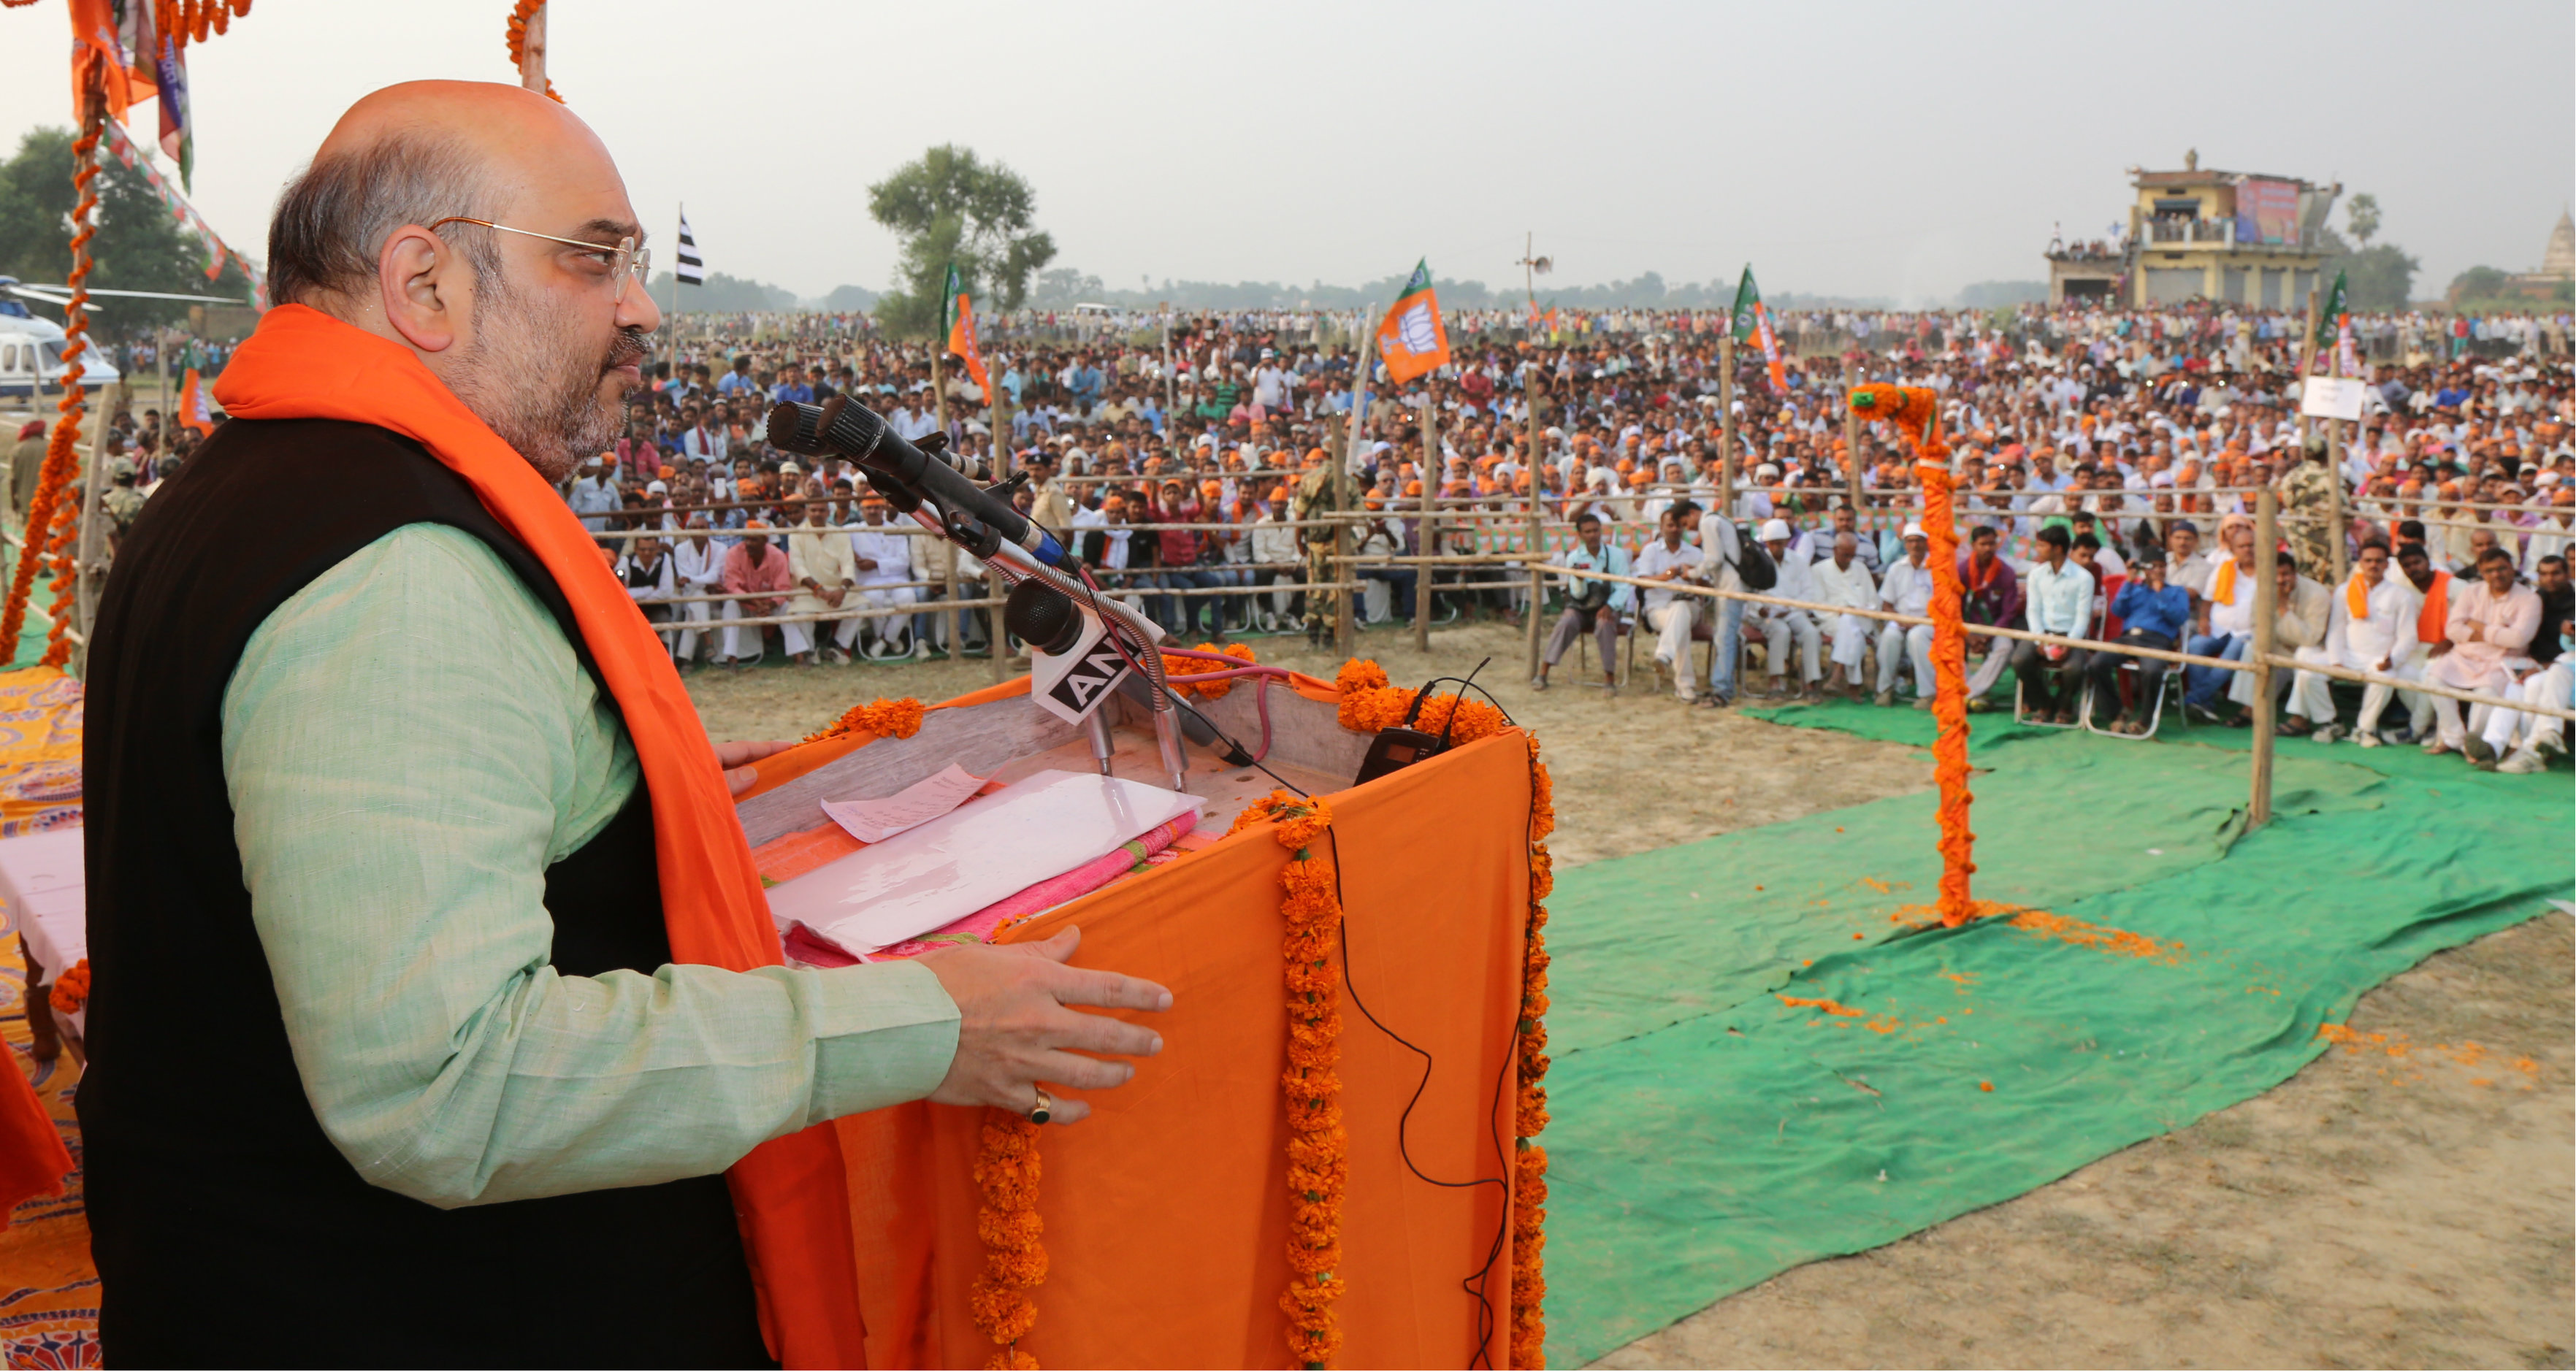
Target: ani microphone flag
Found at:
x=193, y=409
x=958, y=314
x=1412, y=340
x=686, y=266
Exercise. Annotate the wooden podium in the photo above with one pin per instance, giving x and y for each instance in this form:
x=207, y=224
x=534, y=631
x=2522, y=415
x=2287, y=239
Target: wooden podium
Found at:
x=1166, y=1212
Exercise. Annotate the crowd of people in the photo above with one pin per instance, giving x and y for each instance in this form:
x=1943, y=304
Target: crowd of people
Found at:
x=2106, y=463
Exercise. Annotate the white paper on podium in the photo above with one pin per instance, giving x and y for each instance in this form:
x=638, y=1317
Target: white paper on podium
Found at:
x=875, y=821
x=1040, y=827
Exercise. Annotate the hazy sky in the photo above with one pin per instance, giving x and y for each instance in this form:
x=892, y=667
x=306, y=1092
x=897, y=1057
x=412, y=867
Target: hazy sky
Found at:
x=1865, y=149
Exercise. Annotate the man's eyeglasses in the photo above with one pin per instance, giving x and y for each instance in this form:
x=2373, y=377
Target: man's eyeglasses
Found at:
x=626, y=262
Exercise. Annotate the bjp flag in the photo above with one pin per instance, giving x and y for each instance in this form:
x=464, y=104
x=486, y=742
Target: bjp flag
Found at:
x=1412, y=340
x=960, y=321
x=193, y=409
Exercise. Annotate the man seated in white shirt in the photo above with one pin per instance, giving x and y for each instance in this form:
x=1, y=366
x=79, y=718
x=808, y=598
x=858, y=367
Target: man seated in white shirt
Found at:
x=2372, y=629
x=2226, y=606
x=697, y=563
x=1668, y=558
x=1843, y=579
x=1780, y=625
x=819, y=562
x=2491, y=626
x=1907, y=589
x=883, y=558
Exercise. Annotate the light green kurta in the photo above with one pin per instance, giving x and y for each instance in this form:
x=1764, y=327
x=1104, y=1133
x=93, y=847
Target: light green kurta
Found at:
x=409, y=742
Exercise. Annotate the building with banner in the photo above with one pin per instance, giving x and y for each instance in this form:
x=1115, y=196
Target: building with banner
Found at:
x=2241, y=238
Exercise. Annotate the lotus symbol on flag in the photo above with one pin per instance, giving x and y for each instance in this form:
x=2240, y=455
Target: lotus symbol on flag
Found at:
x=1414, y=330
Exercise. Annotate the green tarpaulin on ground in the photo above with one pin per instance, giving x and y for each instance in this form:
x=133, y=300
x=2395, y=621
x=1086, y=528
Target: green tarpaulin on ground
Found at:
x=1708, y=1135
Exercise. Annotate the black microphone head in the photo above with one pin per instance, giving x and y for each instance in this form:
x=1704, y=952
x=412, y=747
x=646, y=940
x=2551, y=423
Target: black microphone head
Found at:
x=843, y=428
x=796, y=428
x=1043, y=617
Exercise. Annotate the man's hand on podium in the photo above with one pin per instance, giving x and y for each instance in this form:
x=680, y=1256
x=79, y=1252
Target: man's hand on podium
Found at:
x=1014, y=1031
x=736, y=759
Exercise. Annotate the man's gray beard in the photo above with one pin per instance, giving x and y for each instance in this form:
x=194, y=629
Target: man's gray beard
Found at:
x=542, y=397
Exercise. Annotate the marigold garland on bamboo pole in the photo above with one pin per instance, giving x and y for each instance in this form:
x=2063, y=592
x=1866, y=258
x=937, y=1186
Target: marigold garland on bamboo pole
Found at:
x=62, y=447
x=518, y=40
x=1915, y=411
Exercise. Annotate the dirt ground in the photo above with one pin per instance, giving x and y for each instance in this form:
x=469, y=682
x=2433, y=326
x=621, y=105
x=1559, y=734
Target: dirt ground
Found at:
x=2374, y=1211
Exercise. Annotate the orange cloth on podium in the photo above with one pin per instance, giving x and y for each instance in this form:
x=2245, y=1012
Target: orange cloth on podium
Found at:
x=1166, y=1212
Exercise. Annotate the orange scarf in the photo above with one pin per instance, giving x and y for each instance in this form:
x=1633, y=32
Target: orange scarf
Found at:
x=2432, y=623
x=2356, y=597
x=790, y=1193
x=2222, y=586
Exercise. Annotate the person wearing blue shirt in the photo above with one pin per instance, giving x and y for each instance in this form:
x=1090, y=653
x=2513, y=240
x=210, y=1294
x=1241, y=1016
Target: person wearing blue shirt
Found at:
x=738, y=381
x=2153, y=615
x=791, y=386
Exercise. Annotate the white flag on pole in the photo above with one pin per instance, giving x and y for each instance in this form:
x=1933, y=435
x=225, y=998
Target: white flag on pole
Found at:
x=688, y=267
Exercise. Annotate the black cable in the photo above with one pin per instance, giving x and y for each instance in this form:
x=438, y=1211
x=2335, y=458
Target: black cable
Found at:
x=1478, y=1283
x=1240, y=750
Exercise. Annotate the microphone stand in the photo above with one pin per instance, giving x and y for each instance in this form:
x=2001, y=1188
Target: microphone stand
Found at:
x=1014, y=565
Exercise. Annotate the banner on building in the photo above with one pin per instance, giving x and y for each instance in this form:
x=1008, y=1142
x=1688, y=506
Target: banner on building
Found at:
x=2267, y=211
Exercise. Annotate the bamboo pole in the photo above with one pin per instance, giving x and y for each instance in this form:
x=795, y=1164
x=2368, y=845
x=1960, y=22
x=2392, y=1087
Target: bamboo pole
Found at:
x=1851, y=443
x=90, y=554
x=1726, y=420
x=1345, y=623
x=1426, y=537
x=2339, y=533
x=1537, y=524
x=2266, y=592
x=532, y=52
x=2307, y=359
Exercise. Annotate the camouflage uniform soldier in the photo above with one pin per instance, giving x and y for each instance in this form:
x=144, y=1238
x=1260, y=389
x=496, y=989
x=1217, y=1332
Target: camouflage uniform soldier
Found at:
x=2307, y=495
x=121, y=503
x=1318, y=497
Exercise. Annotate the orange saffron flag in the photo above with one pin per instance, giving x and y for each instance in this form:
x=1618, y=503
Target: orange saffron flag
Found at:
x=1412, y=340
x=193, y=409
x=961, y=332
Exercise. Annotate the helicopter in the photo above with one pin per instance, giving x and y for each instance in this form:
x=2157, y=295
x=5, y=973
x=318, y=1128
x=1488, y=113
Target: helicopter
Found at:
x=31, y=348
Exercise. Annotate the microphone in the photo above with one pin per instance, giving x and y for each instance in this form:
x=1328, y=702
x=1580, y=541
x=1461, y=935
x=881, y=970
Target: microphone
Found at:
x=841, y=428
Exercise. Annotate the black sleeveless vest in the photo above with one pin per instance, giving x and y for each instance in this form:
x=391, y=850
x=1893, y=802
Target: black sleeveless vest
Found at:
x=226, y=1227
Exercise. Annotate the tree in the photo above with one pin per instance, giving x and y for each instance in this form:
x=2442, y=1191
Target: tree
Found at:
x=139, y=245
x=952, y=207
x=2362, y=213
x=722, y=294
x=850, y=299
x=2381, y=278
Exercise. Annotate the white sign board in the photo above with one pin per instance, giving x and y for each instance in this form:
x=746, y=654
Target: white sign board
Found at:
x=2332, y=397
